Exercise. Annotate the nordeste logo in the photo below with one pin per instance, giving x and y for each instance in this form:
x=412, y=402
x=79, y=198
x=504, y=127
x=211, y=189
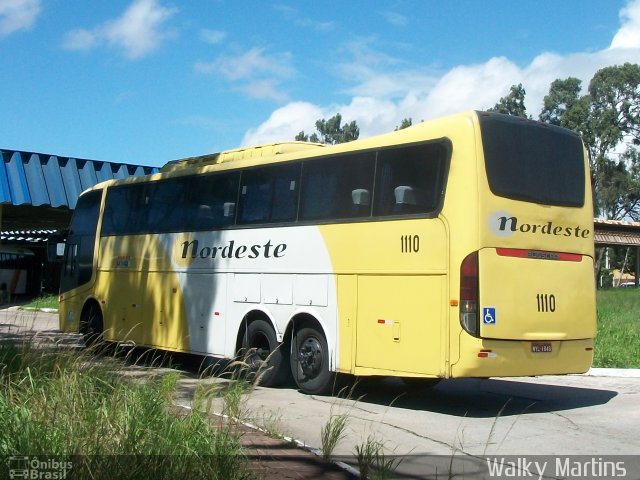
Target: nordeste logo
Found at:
x=504, y=224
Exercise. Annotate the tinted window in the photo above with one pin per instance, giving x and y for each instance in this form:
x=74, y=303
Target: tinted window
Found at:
x=533, y=162
x=165, y=206
x=338, y=187
x=125, y=210
x=410, y=179
x=85, y=215
x=78, y=258
x=211, y=202
x=269, y=194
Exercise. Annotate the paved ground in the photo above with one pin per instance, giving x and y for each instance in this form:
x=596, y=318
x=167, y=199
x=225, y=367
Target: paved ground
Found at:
x=591, y=415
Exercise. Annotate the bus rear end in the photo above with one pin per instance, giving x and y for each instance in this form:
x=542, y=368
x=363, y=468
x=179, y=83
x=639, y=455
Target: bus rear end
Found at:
x=527, y=292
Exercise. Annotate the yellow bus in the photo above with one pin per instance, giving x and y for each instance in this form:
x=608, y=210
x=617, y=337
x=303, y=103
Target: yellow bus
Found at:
x=459, y=247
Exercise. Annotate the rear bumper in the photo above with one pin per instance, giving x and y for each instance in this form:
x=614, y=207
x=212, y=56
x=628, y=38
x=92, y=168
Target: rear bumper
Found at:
x=514, y=358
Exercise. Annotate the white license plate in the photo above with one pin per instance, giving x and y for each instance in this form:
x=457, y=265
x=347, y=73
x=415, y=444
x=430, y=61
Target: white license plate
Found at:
x=541, y=347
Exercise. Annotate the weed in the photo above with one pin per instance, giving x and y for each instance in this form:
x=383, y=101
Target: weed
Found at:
x=332, y=432
x=372, y=461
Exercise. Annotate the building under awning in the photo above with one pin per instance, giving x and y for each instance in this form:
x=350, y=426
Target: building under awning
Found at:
x=38, y=193
x=620, y=234
x=616, y=232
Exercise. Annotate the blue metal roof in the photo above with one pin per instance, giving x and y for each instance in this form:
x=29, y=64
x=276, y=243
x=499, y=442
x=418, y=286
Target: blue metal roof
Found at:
x=37, y=179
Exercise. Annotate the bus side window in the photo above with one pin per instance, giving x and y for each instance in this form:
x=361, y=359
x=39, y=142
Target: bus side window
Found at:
x=410, y=179
x=165, y=206
x=338, y=187
x=269, y=194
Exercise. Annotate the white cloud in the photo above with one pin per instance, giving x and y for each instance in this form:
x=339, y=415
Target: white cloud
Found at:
x=629, y=34
x=285, y=123
x=395, y=19
x=255, y=72
x=292, y=15
x=138, y=32
x=16, y=15
x=212, y=36
x=384, y=91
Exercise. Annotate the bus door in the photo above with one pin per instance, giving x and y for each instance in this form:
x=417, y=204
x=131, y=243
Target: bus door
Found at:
x=401, y=315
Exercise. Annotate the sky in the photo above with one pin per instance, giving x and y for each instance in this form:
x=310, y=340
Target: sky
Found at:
x=148, y=81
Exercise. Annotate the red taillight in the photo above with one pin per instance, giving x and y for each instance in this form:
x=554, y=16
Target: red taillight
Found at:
x=469, y=318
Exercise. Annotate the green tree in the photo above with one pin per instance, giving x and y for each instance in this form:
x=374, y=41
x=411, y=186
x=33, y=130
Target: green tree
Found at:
x=608, y=119
x=331, y=131
x=303, y=137
x=513, y=103
x=560, y=106
x=406, y=123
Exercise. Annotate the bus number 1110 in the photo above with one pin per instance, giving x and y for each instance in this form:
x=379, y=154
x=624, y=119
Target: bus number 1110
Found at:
x=410, y=243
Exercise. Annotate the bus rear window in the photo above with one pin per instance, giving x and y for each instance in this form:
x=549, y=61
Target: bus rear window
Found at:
x=533, y=162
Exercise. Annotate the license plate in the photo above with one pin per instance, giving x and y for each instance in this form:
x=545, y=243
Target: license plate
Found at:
x=541, y=347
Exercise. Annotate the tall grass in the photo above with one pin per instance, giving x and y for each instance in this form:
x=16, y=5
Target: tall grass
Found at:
x=56, y=403
x=618, y=341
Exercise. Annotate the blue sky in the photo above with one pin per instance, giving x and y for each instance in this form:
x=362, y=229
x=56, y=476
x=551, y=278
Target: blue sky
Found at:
x=147, y=81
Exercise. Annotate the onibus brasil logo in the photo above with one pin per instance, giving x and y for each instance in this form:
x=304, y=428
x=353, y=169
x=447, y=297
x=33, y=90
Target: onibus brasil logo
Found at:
x=25, y=467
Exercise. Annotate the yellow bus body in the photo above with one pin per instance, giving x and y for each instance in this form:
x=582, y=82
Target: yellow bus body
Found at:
x=386, y=293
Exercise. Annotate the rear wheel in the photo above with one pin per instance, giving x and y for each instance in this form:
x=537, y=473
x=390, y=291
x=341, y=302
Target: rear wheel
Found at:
x=310, y=362
x=263, y=354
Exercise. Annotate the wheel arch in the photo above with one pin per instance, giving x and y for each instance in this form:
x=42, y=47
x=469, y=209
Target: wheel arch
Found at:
x=247, y=318
x=86, y=307
x=303, y=319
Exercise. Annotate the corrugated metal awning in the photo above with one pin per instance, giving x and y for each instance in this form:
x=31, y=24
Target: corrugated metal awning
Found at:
x=38, y=179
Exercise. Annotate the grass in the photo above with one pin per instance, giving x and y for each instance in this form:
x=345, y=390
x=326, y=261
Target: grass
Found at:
x=372, y=461
x=59, y=404
x=618, y=341
x=45, y=301
x=332, y=432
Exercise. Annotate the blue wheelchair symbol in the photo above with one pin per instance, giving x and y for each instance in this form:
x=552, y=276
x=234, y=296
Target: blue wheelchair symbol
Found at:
x=489, y=315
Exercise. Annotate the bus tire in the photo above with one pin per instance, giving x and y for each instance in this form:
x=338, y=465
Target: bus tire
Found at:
x=92, y=326
x=310, y=362
x=263, y=354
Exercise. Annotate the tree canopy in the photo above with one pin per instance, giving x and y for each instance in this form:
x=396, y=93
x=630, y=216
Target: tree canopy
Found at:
x=331, y=131
x=607, y=117
x=513, y=103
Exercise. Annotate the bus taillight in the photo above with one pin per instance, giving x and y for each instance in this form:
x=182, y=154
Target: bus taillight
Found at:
x=469, y=318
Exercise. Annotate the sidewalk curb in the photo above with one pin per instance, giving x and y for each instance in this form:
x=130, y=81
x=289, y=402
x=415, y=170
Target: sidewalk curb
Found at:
x=613, y=372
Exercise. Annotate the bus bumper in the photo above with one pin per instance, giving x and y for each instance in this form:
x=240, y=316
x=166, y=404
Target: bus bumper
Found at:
x=518, y=358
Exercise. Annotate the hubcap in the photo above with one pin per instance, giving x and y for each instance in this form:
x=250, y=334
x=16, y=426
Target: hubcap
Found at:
x=310, y=356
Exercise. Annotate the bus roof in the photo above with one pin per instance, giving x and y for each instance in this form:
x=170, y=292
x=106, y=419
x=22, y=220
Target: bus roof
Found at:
x=243, y=153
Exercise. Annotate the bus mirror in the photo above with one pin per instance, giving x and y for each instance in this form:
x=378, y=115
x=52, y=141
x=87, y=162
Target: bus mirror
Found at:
x=361, y=196
x=229, y=209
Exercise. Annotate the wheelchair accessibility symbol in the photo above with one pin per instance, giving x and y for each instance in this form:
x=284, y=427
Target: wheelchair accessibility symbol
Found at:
x=488, y=315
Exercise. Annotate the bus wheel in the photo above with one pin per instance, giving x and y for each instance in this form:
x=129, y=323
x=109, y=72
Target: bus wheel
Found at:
x=310, y=362
x=92, y=326
x=263, y=355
